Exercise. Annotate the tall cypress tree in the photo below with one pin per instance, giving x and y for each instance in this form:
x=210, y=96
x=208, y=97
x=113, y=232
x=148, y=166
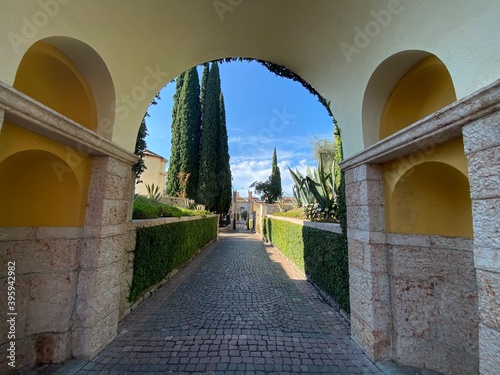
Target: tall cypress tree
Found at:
x=207, y=184
x=225, y=179
x=186, y=122
x=215, y=173
x=275, y=179
x=204, y=80
x=173, y=185
x=203, y=93
x=190, y=121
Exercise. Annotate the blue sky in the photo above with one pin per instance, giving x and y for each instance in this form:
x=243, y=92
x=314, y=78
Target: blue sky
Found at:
x=262, y=112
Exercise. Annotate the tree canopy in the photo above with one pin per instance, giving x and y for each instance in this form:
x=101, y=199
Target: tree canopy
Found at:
x=270, y=190
x=324, y=151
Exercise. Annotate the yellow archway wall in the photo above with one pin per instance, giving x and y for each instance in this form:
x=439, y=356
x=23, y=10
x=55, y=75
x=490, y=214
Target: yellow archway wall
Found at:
x=424, y=89
x=428, y=192
x=50, y=77
x=43, y=183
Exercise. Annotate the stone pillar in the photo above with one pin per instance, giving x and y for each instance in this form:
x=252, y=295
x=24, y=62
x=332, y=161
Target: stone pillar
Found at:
x=249, y=209
x=482, y=148
x=102, y=256
x=368, y=260
x=235, y=210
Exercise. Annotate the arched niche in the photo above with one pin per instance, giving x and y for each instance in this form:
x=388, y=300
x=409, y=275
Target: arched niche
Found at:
x=50, y=77
x=40, y=189
x=424, y=89
x=70, y=77
x=403, y=89
x=97, y=75
x=431, y=198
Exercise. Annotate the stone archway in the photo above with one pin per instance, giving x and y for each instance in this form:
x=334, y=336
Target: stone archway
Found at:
x=305, y=38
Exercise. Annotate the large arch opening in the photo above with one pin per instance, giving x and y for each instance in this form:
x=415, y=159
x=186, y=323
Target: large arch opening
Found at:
x=279, y=122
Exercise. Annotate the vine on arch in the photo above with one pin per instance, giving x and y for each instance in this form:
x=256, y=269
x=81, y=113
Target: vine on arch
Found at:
x=282, y=71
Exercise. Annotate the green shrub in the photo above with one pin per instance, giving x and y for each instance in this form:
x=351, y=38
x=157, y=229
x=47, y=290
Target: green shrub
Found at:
x=320, y=254
x=145, y=208
x=165, y=210
x=191, y=212
x=296, y=213
x=162, y=248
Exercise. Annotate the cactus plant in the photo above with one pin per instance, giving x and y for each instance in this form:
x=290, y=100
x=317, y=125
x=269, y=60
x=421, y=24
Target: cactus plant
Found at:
x=154, y=193
x=317, y=192
x=303, y=196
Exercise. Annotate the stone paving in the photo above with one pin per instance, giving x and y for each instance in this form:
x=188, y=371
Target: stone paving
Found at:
x=239, y=308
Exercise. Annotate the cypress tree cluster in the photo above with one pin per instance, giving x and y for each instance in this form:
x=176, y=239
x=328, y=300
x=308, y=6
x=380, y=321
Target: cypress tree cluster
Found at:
x=199, y=141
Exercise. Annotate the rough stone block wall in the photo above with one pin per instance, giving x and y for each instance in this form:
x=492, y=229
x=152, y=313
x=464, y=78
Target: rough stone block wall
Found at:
x=482, y=148
x=46, y=275
x=368, y=275
x=99, y=281
x=434, y=303
x=444, y=310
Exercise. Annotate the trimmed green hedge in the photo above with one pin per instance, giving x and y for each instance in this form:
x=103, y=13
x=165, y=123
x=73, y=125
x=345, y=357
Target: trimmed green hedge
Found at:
x=288, y=238
x=162, y=248
x=320, y=254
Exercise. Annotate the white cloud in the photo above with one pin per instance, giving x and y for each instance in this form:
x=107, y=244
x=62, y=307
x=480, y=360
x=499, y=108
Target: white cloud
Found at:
x=245, y=170
x=251, y=159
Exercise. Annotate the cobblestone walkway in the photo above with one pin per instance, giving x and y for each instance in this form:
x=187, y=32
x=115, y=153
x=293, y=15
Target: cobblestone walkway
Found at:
x=238, y=308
